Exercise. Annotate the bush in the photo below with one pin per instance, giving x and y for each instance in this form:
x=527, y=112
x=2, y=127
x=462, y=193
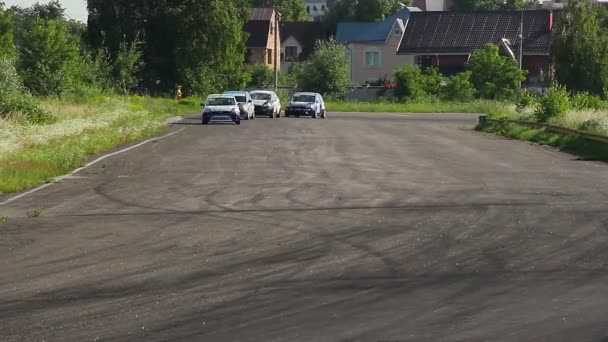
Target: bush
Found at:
x=410, y=83
x=593, y=125
x=526, y=100
x=494, y=76
x=15, y=101
x=584, y=100
x=261, y=76
x=432, y=81
x=553, y=103
x=459, y=87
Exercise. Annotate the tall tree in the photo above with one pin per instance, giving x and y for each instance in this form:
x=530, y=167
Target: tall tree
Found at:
x=7, y=47
x=492, y=5
x=580, y=48
x=183, y=41
x=360, y=10
x=291, y=10
x=46, y=54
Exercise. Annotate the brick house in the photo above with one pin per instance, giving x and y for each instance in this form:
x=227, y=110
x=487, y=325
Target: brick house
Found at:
x=446, y=40
x=264, y=41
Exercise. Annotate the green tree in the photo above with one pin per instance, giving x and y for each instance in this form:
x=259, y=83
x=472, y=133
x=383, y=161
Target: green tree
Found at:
x=494, y=76
x=360, y=10
x=45, y=55
x=126, y=67
x=327, y=69
x=197, y=43
x=291, y=10
x=492, y=5
x=580, y=48
x=7, y=47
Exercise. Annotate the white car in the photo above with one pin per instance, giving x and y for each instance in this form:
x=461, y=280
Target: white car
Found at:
x=266, y=103
x=245, y=103
x=311, y=104
x=221, y=108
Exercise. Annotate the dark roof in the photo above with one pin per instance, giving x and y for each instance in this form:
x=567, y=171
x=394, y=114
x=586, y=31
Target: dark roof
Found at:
x=420, y=4
x=258, y=33
x=305, y=32
x=463, y=32
x=261, y=13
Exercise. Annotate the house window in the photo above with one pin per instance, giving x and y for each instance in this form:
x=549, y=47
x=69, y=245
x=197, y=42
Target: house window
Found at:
x=269, y=56
x=372, y=58
x=291, y=53
x=308, y=9
x=397, y=32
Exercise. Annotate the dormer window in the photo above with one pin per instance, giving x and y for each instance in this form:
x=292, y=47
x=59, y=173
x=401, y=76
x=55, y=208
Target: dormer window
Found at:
x=398, y=32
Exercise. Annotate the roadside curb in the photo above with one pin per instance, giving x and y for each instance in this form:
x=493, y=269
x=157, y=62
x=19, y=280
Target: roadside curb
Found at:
x=551, y=128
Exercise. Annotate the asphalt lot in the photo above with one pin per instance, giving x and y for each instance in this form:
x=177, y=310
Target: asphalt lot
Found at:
x=362, y=227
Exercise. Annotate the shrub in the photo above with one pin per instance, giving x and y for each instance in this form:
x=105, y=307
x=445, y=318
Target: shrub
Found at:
x=15, y=101
x=584, y=100
x=459, y=87
x=494, y=76
x=553, y=103
x=261, y=76
x=432, y=81
x=592, y=125
x=526, y=100
x=410, y=83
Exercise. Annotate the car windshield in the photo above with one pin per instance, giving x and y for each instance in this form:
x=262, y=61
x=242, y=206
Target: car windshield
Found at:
x=304, y=98
x=220, y=101
x=260, y=96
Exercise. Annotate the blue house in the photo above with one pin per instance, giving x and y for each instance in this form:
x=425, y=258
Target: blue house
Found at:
x=372, y=46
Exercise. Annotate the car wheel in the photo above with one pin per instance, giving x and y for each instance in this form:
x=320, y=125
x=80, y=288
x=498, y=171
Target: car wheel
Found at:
x=238, y=122
x=314, y=115
x=205, y=122
x=323, y=114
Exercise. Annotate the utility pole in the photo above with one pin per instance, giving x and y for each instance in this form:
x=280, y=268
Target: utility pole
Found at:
x=277, y=54
x=521, y=43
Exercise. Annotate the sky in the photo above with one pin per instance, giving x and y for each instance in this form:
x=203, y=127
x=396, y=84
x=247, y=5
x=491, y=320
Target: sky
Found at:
x=75, y=9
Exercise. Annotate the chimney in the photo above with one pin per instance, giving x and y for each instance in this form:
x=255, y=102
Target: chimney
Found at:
x=550, y=22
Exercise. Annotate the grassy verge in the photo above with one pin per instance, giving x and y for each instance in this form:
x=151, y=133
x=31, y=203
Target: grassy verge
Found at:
x=34, y=154
x=488, y=107
x=572, y=144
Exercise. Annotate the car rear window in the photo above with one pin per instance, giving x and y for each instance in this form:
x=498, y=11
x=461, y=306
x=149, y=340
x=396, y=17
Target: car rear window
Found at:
x=304, y=98
x=260, y=96
x=220, y=101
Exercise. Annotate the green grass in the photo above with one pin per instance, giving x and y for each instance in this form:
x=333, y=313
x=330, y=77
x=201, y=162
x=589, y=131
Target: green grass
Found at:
x=34, y=164
x=487, y=107
x=588, y=150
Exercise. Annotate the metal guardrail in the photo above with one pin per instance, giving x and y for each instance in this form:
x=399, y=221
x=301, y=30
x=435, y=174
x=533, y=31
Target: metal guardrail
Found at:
x=550, y=128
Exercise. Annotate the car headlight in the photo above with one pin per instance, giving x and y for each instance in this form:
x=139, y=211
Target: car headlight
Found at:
x=206, y=110
x=267, y=105
x=235, y=110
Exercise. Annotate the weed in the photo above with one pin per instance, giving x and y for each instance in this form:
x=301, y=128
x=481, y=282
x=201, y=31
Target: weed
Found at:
x=3, y=219
x=36, y=212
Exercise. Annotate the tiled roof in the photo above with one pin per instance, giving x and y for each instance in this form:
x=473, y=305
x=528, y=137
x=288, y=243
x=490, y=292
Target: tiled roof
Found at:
x=258, y=33
x=463, y=32
x=261, y=14
x=370, y=31
x=305, y=32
